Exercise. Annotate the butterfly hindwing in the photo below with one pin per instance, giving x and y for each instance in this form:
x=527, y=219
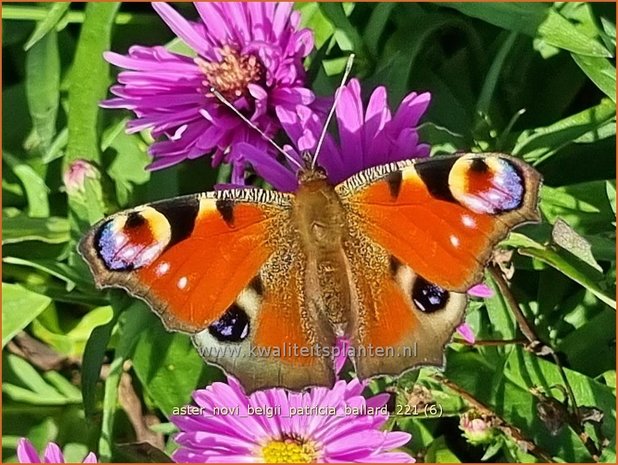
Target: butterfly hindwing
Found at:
x=399, y=320
x=279, y=347
x=442, y=216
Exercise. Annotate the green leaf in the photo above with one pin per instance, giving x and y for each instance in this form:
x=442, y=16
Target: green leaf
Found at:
x=312, y=17
x=129, y=166
x=438, y=452
x=72, y=342
x=171, y=376
x=535, y=20
x=600, y=71
x=336, y=14
x=53, y=268
x=585, y=207
x=505, y=390
x=539, y=144
x=34, y=186
x=491, y=80
x=589, y=357
x=22, y=228
x=94, y=353
x=572, y=267
x=43, y=27
x=376, y=26
x=23, y=383
x=43, y=87
x=89, y=81
x=19, y=307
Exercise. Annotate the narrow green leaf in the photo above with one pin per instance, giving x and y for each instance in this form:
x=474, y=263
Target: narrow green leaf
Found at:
x=570, y=266
x=491, y=80
x=335, y=13
x=53, y=268
x=376, y=25
x=556, y=30
x=63, y=386
x=35, y=187
x=94, y=353
x=54, y=15
x=89, y=81
x=19, y=307
x=22, y=228
x=43, y=87
x=539, y=144
x=535, y=20
x=600, y=71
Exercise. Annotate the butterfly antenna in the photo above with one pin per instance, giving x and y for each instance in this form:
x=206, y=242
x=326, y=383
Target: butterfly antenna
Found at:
x=346, y=73
x=228, y=104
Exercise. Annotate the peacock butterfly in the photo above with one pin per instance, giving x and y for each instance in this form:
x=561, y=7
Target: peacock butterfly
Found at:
x=261, y=279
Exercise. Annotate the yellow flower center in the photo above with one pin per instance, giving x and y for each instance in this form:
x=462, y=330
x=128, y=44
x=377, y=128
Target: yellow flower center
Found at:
x=232, y=74
x=289, y=451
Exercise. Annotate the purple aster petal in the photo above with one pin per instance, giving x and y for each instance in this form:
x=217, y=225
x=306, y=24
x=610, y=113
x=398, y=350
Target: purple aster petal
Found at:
x=466, y=332
x=170, y=93
x=481, y=290
x=53, y=454
x=267, y=167
x=367, y=138
x=181, y=27
x=26, y=453
x=350, y=122
x=389, y=457
x=90, y=458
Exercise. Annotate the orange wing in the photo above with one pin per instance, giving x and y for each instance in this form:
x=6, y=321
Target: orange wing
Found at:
x=189, y=257
x=227, y=268
x=399, y=320
x=442, y=216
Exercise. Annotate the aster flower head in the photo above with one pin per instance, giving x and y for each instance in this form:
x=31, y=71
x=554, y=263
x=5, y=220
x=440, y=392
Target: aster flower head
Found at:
x=320, y=425
x=26, y=453
x=76, y=175
x=251, y=53
x=476, y=428
x=367, y=136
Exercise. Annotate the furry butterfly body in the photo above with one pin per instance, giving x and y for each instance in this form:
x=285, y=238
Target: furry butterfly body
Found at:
x=265, y=282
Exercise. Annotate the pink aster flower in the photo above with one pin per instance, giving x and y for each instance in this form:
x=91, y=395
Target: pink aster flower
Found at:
x=26, y=453
x=252, y=53
x=321, y=425
x=368, y=136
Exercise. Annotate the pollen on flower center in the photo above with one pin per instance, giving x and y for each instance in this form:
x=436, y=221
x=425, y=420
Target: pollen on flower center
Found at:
x=289, y=451
x=232, y=74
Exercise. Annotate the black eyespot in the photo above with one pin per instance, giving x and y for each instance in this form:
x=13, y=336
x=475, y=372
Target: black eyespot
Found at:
x=478, y=165
x=233, y=326
x=428, y=297
x=134, y=220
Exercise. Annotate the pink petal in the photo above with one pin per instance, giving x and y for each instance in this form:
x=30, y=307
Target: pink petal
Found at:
x=465, y=331
x=481, y=290
x=181, y=27
x=26, y=453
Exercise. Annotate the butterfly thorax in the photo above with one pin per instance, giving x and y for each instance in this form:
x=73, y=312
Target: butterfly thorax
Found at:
x=319, y=214
x=321, y=222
